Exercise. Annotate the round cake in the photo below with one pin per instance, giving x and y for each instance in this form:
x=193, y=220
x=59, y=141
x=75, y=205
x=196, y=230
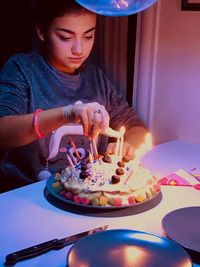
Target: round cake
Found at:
x=107, y=181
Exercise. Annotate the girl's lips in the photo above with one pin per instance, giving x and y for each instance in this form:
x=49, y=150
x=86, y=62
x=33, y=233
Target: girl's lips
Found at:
x=75, y=59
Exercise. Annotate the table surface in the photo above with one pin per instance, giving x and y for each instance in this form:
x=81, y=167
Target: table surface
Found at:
x=27, y=218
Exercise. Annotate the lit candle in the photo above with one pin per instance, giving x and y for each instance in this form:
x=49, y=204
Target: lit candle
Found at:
x=142, y=151
x=136, y=153
x=71, y=164
x=70, y=161
x=117, y=147
x=74, y=159
x=148, y=141
x=143, y=148
x=75, y=150
x=91, y=148
x=96, y=155
x=91, y=158
x=122, y=131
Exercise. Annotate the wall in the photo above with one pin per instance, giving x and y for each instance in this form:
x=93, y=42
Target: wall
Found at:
x=167, y=81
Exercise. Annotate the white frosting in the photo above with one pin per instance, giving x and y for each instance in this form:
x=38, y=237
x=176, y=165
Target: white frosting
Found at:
x=134, y=179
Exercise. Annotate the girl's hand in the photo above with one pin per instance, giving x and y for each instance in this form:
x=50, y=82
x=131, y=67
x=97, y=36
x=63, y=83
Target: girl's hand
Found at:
x=92, y=116
x=127, y=150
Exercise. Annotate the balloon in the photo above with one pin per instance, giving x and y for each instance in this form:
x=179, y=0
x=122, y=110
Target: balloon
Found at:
x=116, y=7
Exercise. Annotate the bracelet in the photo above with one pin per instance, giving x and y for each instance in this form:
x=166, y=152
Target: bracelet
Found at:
x=67, y=112
x=35, y=123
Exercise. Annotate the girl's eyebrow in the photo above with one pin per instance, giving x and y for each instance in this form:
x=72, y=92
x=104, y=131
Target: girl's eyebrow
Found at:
x=71, y=32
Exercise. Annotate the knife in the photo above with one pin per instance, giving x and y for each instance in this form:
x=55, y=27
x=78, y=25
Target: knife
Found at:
x=53, y=244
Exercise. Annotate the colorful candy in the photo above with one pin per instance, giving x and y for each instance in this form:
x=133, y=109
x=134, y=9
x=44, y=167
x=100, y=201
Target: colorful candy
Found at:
x=121, y=164
x=107, y=158
x=103, y=201
x=115, y=179
x=119, y=171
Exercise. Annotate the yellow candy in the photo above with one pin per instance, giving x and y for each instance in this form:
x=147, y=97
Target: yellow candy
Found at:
x=55, y=185
x=103, y=201
x=140, y=198
x=95, y=202
x=153, y=191
x=148, y=194
x=111, y=201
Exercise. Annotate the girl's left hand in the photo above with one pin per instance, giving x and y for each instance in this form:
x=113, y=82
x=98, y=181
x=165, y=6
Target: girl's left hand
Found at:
x=128, y=150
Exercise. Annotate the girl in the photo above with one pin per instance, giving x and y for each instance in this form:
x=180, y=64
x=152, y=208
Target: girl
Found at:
x=42, y=91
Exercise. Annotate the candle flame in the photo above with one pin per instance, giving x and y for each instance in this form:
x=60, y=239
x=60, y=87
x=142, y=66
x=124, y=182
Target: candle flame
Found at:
x=143, y=148
x=148, y=141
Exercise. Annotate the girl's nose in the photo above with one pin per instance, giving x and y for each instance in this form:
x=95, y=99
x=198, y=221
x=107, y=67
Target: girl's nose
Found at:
x=77, y=48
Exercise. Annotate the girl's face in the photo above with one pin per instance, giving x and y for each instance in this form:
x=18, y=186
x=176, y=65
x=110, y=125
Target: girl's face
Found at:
x=69, y=40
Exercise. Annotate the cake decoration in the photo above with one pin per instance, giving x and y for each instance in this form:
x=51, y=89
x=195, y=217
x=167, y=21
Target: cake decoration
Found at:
x=109, y=179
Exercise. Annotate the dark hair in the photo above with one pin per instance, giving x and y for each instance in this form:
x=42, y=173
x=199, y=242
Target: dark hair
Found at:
x=44, y=11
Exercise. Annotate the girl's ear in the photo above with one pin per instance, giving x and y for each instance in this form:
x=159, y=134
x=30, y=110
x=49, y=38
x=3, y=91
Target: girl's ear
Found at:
x=39, y=33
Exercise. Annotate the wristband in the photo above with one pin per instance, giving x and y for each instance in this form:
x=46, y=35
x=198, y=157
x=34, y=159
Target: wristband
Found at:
x=35, y=123
x=67, y=112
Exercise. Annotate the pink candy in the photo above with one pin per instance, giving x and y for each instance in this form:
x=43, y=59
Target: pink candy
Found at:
x=131, y=200
x=118, y=201
x=156, y=187
x=69, y=196
x=81, y=200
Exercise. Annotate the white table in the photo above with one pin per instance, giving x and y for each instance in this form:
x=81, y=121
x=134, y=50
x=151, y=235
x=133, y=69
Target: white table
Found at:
x=27, y=218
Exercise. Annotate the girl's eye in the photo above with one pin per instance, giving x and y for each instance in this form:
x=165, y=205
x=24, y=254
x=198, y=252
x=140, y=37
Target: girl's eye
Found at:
x=65, y=38
x=88, y=37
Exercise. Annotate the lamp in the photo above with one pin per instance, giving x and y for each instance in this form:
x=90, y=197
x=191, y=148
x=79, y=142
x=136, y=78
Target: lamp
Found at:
x=116, y=7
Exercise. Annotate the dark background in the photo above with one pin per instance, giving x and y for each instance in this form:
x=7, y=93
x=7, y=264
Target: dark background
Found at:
x=15, y=28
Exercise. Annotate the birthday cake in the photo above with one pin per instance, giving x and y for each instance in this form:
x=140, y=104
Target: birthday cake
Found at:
x=103, y=180
x=108, y=180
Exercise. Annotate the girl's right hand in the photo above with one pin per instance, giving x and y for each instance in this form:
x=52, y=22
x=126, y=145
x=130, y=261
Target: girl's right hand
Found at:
x=92, y=116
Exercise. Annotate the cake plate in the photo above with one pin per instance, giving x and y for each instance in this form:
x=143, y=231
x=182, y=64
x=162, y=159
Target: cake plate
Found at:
x=57, y=200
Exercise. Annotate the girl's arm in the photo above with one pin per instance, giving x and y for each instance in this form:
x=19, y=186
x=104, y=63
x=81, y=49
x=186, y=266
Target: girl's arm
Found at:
x=18, y=130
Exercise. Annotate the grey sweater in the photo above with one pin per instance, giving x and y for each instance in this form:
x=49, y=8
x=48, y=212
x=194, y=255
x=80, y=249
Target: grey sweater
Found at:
x=28, y=82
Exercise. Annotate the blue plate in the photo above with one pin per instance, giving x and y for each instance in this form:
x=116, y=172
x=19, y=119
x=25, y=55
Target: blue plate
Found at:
x=127, y=248
x=183, y=226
